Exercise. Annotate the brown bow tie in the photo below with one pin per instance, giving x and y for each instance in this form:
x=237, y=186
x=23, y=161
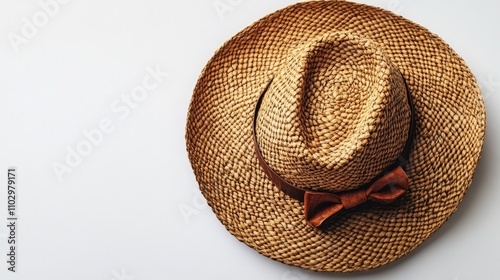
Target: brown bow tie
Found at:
x=319, y=206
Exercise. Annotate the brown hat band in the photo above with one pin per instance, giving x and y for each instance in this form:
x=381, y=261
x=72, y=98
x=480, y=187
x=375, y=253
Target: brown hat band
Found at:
x=385, y=188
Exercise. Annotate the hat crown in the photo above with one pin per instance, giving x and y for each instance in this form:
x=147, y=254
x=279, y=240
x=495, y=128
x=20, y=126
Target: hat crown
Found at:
x=335, y=115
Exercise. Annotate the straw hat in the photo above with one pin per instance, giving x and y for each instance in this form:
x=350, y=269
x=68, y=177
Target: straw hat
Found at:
x=335, y=136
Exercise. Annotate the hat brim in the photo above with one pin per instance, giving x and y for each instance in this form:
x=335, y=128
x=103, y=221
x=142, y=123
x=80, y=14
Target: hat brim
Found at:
x=450, y=127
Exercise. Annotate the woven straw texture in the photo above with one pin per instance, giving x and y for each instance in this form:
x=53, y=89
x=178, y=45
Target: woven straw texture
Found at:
x=335, y=115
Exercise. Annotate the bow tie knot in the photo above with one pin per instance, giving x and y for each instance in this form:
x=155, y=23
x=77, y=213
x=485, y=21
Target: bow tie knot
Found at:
x=353, y=198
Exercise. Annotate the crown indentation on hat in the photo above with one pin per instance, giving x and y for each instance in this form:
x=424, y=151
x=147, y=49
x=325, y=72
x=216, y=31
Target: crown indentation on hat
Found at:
x=335, y=115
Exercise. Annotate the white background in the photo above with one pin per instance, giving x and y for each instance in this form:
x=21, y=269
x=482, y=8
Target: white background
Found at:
x=119, y=213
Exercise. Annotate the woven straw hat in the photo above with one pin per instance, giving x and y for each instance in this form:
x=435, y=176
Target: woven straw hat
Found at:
x=335, y=136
